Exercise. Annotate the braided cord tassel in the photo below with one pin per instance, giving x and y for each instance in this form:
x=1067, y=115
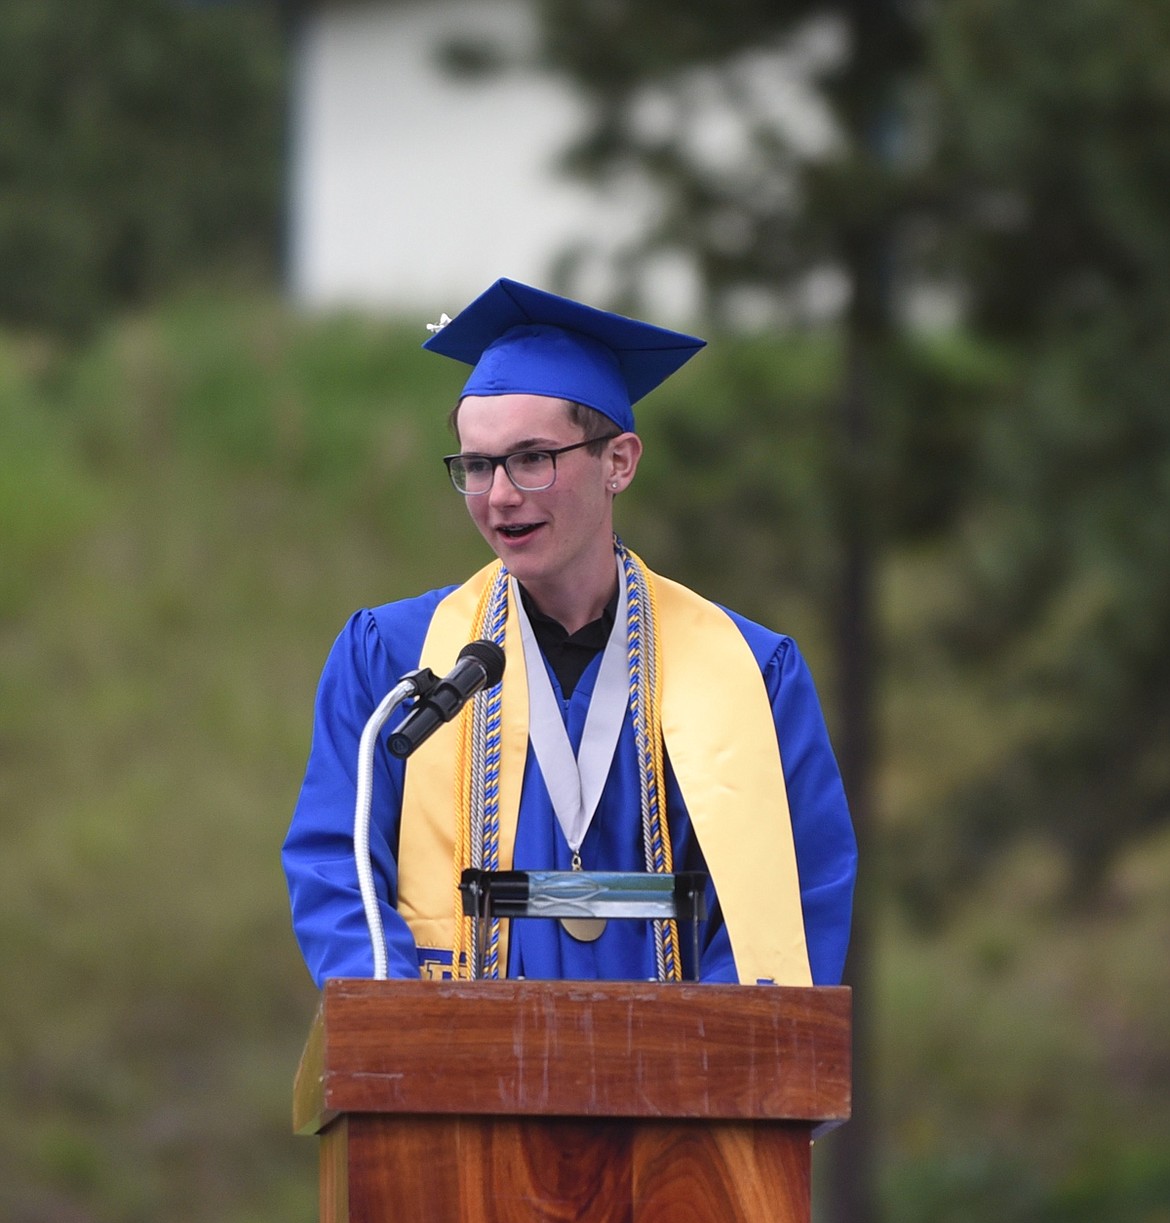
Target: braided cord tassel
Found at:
x=645, y=708
x=635, y=611
x=461, y=953
x=667, y=930
x=468, y=820
x=488, y=748
x=477, y=782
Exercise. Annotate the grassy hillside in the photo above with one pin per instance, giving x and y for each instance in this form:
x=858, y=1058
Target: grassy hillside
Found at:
x=189, y=510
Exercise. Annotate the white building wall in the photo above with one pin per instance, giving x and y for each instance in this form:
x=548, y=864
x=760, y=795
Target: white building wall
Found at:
x=408, y=188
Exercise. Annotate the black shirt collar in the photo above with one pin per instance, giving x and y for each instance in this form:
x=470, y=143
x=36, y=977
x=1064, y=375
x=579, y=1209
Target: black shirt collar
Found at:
x=569, y=653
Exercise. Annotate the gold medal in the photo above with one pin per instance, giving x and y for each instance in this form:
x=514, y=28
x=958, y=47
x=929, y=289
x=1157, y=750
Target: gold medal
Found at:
x=583, y=929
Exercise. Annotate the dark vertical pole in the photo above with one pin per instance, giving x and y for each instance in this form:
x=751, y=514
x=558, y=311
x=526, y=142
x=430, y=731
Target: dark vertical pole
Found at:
x=867, y=94
x=850, y=1192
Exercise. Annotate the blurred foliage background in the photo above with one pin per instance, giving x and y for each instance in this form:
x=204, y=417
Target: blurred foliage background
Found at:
x=199, y=485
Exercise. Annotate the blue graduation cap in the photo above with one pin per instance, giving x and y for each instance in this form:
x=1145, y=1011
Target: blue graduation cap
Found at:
x=526, y=341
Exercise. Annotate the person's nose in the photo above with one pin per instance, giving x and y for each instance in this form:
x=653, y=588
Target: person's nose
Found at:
x=503, y=491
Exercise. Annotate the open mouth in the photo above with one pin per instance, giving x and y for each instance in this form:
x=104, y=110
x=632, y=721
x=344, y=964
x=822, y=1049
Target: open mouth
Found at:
x=518, y=530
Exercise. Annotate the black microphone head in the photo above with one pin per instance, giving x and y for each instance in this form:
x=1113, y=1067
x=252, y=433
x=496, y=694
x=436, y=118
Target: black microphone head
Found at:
x=489, y=656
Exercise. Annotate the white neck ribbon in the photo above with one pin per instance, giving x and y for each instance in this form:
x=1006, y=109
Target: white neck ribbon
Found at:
x=575, y=783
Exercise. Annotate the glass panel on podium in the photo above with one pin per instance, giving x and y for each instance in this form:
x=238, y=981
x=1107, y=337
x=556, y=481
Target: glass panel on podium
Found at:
x=582, y=896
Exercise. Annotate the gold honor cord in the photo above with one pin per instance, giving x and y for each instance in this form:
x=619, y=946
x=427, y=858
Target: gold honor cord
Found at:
x=646, y=708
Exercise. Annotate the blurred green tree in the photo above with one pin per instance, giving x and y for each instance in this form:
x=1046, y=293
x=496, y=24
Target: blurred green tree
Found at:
x=1052, y=133
x=850, y=163
x=140, y=145
x=854, y=162
x=787, y=205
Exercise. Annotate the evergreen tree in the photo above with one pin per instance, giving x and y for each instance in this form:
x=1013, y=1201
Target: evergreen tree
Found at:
x=140, y=144
x=1053, y=148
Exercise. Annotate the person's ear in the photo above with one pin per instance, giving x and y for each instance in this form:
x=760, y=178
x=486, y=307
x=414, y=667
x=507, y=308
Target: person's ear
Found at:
x=622, y=461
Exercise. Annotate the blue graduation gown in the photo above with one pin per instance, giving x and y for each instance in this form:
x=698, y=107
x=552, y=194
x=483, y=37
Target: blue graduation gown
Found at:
x=375, y=649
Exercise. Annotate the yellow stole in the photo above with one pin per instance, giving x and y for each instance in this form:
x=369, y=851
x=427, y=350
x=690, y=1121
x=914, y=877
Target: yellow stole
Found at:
x=720, y=738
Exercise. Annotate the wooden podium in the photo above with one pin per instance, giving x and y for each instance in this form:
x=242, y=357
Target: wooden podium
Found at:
x=606, y=1102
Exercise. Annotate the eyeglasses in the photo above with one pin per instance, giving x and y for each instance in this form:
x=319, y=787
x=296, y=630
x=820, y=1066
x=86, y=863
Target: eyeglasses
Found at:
x=529, y=470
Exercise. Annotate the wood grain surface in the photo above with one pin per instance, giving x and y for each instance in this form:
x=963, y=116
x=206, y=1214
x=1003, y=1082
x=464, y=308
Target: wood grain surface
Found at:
x=506, y=1170
x=556, y=1048
x=537, y=1102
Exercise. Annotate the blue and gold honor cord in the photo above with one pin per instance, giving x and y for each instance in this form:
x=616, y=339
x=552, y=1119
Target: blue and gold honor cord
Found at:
x=478, y=765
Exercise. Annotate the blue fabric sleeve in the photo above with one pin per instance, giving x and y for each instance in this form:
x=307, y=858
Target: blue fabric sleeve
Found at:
x=318, y=854
x=826, y=848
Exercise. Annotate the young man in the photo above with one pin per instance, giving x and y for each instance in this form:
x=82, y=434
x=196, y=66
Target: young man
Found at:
x=637, y=726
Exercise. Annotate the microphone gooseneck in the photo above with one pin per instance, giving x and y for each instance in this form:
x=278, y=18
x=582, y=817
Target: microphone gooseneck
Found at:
x=415, y=684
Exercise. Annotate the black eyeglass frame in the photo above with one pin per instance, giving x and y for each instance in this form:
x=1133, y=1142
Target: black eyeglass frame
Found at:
x=502, y=460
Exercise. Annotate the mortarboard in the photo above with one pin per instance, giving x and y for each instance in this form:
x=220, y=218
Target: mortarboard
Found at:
x=526, y=341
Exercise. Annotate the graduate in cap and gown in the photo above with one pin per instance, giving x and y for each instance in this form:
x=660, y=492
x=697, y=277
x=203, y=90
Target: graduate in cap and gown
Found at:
x=638, y=727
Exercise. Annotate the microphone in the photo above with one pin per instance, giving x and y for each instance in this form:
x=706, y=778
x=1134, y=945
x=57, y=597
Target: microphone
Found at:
x=480, y=665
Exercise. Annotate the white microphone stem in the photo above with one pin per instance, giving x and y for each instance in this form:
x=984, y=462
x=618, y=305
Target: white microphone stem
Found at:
x=361, y=819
